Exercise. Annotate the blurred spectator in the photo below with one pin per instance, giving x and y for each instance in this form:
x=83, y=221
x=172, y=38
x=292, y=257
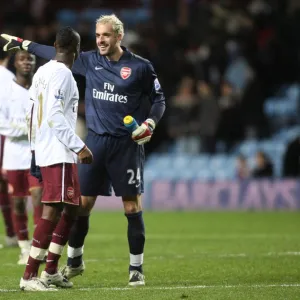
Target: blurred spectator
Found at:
x=238, y=51
x=209, y=117
x=183, y=120
x=238, y=72
x=230, y=128
x=259, y=7
x=291, y=160
x=242, y=169
x=264, y=167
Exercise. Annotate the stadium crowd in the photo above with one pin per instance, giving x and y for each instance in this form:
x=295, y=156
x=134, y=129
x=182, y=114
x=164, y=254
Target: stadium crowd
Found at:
x=217, y=60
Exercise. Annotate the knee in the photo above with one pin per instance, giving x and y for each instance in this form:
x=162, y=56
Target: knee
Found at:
x=19, y=205
x=131, y=208
x=52, y=212
x=71, y=211
x=82, y=225
x=132, y=204
x=87, y=204
x=36, y=195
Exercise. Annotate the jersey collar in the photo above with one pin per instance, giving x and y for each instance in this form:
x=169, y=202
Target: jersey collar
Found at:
x=126, y=54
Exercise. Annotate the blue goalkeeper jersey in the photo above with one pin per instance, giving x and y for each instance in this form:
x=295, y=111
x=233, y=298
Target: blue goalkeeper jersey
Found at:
x=115, y=89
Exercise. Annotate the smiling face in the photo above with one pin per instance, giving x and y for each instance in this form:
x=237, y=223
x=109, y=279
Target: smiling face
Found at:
x=107, y=40
x=24, y=63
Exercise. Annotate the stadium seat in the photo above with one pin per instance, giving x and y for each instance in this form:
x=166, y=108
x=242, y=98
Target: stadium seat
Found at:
x=223, y=174
x=204, y=174
x=159, y=161
x=135, y=16
x=287, y=134
x=91, y=15
x=67, y=17
x=218, y=161
x=272, y=148
x=181, y=161
x=277, y=165
x=200, y=162
x=248, y=148
x=293, y=92
x=185, y=174
x=284, y=111
x=150, y=174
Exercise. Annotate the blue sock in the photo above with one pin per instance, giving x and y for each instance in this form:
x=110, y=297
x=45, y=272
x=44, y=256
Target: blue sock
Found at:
x=136, y=240
x=76, y=241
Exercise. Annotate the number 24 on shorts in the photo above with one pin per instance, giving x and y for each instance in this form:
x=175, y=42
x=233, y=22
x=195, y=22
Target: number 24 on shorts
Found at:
x=134, y=178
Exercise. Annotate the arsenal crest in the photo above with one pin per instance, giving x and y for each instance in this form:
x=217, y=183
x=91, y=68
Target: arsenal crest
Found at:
x=70, y=192
x=125, y=72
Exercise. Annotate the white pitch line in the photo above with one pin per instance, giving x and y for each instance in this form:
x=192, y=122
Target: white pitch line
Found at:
x=199, y=236
x=287, y=253
x=197, y=287
x=198, y=255
x=283, y=285
x=206, y=254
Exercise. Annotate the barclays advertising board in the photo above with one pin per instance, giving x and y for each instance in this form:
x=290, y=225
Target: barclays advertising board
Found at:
x=224, y=195
x=215, y=195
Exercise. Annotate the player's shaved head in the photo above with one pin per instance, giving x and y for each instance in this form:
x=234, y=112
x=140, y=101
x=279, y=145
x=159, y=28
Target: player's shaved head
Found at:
x=115, y=22
x=4, y=54
x=67, y=40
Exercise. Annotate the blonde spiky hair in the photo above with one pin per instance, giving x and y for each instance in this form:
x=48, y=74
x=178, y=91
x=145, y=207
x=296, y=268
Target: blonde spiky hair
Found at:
x=116, y=23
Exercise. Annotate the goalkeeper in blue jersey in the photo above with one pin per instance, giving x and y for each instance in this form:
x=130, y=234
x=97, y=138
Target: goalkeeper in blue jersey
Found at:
x=118, y=83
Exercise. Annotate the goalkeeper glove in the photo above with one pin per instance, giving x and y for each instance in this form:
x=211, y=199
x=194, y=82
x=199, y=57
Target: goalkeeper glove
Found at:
x=14, y=43
x=143, y=133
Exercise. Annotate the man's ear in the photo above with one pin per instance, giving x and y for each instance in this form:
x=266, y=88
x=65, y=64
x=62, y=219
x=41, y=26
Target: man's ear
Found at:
x=119, y=36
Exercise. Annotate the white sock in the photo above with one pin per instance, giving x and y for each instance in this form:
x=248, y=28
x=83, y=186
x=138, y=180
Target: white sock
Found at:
x=74, y=252
x=136, y=260
x=24, y=245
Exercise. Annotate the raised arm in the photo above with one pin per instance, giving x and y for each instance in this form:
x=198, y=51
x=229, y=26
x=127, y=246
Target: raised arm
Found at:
x=47, y=52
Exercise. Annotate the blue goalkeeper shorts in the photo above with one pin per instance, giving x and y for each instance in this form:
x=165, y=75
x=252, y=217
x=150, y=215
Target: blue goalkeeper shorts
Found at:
x=118, y=164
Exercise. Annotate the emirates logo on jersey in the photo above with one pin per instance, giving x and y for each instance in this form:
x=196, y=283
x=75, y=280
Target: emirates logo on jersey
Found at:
x=125, y=72
x=70, y=192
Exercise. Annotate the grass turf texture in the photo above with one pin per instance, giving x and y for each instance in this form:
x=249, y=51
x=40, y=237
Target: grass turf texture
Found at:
x=205, y=255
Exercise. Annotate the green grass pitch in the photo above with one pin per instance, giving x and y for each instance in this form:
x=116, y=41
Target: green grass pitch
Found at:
x=188, y=255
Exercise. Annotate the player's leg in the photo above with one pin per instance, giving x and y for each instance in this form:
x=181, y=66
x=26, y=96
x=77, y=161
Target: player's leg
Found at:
x=19, y=183
x=136, y=238
x=60, y=237
x=126, y=172
x=20, y=220
x=75, y=265
x=36, y=195
x=41, y=240
x=5, y=205
x=53, y=228
x=36, y=191
x=93, y=181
